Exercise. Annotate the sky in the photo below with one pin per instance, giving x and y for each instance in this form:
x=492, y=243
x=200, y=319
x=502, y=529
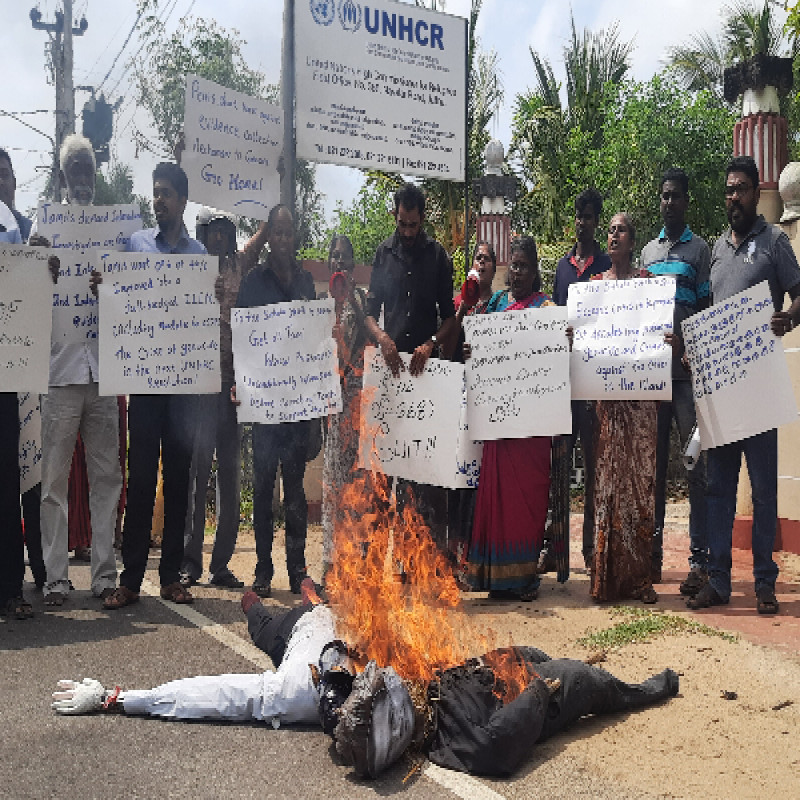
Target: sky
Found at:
x=510, y=27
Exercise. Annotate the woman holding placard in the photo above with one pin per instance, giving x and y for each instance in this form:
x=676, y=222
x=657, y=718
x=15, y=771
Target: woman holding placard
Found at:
x=625, y=464
x=511, y=506
x=341, y=442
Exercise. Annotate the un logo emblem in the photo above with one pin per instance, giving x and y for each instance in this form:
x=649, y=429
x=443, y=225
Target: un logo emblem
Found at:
x=323, y=11
x=350, y=15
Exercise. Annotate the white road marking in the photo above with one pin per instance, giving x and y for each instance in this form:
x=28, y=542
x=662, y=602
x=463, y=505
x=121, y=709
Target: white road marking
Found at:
x=211, y=628
x=459, y=783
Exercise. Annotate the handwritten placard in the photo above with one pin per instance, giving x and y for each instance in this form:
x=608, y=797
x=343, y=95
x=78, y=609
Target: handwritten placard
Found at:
x=159, y=324
x=409, y=427
x=734, y=357
x=30, y=440
x=233, y=143
x=26, y=293
x=618, y=350
x=518, y=375
x=286, y=361
x=76, y=232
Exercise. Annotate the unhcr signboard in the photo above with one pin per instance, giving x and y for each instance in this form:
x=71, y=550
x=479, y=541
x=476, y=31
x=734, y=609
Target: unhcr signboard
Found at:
x=381, y=85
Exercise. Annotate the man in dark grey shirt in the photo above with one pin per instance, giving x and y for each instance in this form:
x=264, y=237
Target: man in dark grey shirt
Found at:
x=750, y=252
x=678, y=252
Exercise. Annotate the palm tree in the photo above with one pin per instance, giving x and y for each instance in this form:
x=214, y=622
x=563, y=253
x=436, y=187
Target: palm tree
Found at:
x=542, y=124
x=747, y=31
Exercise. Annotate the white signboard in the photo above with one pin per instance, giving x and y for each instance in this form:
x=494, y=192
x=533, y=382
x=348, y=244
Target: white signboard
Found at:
x=739, y=374
x=232, y=147
x=76, y=231
x=618, y=350
x=159, y=324
x=286, y=362
x=30, y=440
x=381, y=85
x=409, y=425
x=26, y=295
x=518, y=375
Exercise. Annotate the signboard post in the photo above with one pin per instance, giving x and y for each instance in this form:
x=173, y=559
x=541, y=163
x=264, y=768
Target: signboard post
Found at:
x=381, y=85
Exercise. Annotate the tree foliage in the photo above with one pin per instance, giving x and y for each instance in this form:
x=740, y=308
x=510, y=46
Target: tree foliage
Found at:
x=117, y=187
x=649, y=127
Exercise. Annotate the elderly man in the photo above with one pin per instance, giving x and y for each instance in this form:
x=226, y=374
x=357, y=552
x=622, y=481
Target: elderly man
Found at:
x=412, y=283
x=73, y=405
x=677, y=251
x=750, y=252
x=158, y=424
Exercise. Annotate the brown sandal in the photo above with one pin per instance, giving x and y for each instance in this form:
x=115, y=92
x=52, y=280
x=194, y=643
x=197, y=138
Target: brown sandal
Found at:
x=121, y=597
x=176, y=593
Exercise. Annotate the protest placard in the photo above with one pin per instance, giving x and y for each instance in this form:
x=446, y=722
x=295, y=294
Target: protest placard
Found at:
x=159, y=324
x=26, y=297
x=233, y=143
x=30, y=440
x=286, y=362
x=734, y=356
x=518, y=375
x=76, y=232
x=618, y=350
x=381, y=86
x=409, y=425
x=469, y=453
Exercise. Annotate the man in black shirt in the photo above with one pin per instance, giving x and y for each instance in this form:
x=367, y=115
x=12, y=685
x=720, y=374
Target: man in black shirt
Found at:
x=412, y=282
x=279, y=280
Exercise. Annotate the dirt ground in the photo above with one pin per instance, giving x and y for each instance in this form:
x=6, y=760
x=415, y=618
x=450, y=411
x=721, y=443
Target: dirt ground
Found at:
x=699, y=744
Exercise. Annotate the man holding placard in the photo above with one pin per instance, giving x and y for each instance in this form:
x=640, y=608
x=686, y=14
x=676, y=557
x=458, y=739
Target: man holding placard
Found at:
x=412, y=283
x=159, y=423
x=279, y=280
x=750, y=252
x=677, y=251
x=74, y=405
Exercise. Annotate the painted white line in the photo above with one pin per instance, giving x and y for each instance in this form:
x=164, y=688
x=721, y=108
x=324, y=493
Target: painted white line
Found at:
x=211, y=628
x=461, y=784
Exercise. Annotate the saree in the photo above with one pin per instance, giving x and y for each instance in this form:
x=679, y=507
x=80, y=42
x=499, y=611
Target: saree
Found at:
x=511, y=504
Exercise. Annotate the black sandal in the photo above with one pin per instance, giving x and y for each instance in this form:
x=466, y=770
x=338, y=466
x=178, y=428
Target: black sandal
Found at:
x=18, y=608
x=766, y=602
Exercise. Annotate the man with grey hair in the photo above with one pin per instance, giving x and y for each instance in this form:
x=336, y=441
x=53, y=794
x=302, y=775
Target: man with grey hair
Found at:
x=73, y=405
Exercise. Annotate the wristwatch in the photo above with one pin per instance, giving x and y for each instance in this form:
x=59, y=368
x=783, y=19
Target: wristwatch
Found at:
x=434, y=340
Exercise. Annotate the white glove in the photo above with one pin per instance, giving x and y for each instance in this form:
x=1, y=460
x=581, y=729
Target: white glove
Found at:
x=78, y=698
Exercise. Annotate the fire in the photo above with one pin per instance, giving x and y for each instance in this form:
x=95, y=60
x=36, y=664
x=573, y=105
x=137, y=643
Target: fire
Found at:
x=415, y=625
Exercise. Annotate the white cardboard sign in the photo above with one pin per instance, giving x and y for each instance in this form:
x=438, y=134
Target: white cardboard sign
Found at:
x=26, y=297
x=159, y=324
x=233, y=143
x=618, y=350
x=518, y=375
x=286, y=361
x=409, y=425
x=739, y=374
x=76, y=232
x=381, y=85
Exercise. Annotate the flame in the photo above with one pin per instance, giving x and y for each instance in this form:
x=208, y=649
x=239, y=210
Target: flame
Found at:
x=392, y=591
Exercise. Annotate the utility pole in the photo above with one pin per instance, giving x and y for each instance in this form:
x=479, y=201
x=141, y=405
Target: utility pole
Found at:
x=61, y=32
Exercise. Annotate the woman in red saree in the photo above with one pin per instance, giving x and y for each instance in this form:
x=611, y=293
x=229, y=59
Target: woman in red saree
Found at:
x=511, y=507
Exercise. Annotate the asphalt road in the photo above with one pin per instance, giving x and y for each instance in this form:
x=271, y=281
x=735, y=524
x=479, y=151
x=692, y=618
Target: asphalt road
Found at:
x=43, y=755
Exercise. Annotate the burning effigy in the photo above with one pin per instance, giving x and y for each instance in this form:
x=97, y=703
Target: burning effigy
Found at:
x=388, y=667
